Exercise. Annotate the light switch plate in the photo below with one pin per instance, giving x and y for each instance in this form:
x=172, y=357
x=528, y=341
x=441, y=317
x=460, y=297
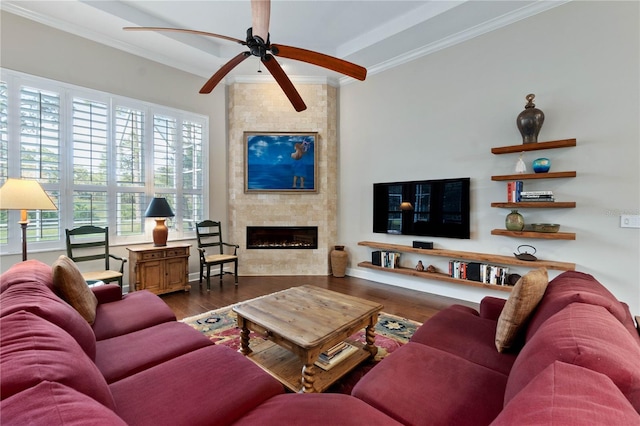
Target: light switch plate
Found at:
x=629, y=221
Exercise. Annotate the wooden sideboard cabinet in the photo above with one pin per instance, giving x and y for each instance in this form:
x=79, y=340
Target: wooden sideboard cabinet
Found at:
x=159, y=269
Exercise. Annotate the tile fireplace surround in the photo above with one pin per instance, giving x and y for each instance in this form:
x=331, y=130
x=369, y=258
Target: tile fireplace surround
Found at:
x=273, y=113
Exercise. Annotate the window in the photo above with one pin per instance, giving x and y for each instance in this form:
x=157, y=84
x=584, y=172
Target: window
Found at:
x=101, y=158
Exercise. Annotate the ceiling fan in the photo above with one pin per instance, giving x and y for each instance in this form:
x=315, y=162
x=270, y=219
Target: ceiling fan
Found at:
x=260, y=45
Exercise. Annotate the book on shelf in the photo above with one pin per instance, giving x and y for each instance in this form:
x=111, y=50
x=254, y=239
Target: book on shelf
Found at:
x=390, y=259
x=546, y=192
x=334, y=355
x=527, y=198
x=479, y=272
x=514, y=189
x=534, y=195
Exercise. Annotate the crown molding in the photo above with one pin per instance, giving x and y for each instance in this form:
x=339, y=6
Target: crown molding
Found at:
x=460, y=37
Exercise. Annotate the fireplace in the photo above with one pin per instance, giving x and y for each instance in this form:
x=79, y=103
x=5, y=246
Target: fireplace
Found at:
x=282, y=237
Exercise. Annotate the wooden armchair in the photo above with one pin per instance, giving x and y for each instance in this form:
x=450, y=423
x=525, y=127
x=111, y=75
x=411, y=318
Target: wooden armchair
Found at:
x=92, y=243
x=210, y=237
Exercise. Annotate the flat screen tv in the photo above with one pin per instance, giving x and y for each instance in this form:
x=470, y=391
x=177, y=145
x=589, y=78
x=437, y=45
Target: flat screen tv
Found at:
x=434, y=208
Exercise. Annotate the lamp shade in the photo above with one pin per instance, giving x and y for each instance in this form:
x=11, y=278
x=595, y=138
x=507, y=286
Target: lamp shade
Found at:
x=159, y=207
x=406, y=206
x=22, y=194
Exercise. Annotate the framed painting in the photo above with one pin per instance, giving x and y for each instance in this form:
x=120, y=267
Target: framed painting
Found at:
x=280, y=162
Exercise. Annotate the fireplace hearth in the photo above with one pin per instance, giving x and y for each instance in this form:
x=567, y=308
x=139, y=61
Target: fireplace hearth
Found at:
x=282, y=237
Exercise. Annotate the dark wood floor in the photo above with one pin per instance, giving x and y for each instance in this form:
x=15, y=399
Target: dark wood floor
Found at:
x=406, y=303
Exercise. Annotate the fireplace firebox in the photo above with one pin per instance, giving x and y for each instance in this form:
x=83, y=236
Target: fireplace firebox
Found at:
x=282, y=237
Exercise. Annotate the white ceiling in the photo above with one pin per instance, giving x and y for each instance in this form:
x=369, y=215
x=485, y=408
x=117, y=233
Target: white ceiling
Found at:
x=377, y=34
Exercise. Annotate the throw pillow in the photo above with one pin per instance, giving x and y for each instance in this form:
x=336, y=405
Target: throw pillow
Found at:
x=524, y=298
x=68, y=281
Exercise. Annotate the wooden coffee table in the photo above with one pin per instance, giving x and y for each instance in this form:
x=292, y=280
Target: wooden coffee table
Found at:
x=299, y=324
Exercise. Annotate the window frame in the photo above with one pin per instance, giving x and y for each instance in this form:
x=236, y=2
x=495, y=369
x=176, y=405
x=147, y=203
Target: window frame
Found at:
x=66, y=186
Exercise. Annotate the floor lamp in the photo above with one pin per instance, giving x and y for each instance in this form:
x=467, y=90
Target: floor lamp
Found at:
x=23, y=195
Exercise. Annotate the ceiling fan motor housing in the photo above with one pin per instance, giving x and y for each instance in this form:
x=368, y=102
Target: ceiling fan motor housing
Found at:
x=257, y=45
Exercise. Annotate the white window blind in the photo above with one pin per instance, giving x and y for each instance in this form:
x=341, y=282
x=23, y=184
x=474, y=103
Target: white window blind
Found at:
x=89, y=142
x=40, y=155
x=4, y=155
x=101, y=158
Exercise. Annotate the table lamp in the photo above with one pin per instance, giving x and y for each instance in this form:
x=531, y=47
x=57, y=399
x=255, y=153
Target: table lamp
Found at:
x=23, y=195
x=159, y=209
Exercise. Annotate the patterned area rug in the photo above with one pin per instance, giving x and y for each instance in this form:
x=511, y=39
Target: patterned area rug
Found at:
x=220, y=327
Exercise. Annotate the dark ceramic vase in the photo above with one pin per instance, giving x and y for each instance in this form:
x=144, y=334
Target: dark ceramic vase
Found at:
x=530, y=121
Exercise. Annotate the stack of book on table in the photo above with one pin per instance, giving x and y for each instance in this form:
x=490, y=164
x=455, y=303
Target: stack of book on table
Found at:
x=334, y=355
x=536, y=196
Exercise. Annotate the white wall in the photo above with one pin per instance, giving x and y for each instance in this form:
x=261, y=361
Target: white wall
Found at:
x=439, y=117
x=39, y=50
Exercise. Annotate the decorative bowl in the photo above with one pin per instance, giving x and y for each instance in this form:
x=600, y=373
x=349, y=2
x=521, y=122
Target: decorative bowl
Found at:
x=545, y=227
x=541, y=165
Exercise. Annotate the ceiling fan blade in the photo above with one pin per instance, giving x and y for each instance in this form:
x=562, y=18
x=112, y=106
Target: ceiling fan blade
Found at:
x=260, y=14
x=182, y=30
x=224, y=70
x=321, y=60
x=287, y=86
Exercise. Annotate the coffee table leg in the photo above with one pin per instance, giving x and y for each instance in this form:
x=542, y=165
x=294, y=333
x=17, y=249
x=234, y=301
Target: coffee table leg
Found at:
x=244, y=336
x=371, y=337
x=308, y=377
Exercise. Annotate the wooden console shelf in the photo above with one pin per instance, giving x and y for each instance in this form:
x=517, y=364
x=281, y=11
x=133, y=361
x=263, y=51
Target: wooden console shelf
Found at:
x=434, y=276
x=458, y=255
x=539, y=235
x=562, y=143
x=469, y=255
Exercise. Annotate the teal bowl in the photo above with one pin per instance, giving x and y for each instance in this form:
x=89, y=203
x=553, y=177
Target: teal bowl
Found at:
x=541, y=165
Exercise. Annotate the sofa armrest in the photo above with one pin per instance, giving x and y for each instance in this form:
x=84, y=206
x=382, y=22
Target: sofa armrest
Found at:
x=107, y=293
x=491, y=307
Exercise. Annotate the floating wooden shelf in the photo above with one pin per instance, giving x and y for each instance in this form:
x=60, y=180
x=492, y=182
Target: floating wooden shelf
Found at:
x=434, y=276
x=537, y=205
x=562, y=143
x=527, y=176
x=532, y=234
x=469, y=255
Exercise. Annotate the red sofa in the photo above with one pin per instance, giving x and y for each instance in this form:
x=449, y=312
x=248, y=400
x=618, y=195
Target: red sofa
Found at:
x=577, y=362
x=135, y=365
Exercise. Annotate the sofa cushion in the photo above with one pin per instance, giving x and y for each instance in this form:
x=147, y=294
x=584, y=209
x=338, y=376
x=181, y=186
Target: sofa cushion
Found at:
x=122, y=356
x=211, y=385
x=40, y=300
x=53, y=404
x=565, y=394
x=29, y=271
x=298, y=409
x=68, y=281
x=135, y=311
x=584, y=335
x=33, y=350
x=524, y=298
x=421, y=385
x=573, y=287
x=466, y=335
